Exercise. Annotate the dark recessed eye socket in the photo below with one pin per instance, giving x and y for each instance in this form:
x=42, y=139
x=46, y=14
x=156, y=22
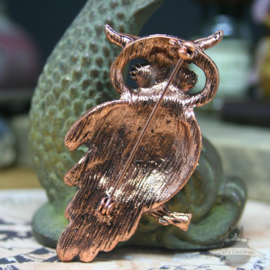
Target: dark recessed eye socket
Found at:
x=136, y=72
x=201, y=79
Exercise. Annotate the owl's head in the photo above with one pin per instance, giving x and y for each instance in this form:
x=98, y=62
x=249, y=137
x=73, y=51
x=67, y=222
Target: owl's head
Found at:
x=161, y=54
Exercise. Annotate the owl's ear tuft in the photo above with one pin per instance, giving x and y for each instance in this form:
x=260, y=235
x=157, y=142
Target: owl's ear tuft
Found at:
x=211, y=41
x=118, y=39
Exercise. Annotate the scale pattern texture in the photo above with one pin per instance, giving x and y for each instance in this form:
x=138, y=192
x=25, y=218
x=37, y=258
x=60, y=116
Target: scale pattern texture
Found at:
x=76, y=78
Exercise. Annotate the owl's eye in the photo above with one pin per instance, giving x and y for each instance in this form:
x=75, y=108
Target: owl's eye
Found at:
x=139, y=72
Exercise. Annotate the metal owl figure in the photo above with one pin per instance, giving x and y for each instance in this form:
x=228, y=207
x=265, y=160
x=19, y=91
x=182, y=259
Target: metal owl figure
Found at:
x=143, y=147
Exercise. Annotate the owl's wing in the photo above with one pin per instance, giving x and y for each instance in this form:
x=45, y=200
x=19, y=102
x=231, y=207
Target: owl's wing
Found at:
x=85, y=128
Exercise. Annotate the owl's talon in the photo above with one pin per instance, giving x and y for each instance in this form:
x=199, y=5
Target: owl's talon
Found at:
x=166, y=217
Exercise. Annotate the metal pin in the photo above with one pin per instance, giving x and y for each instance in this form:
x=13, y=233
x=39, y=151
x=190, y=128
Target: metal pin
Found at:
x=133, y=152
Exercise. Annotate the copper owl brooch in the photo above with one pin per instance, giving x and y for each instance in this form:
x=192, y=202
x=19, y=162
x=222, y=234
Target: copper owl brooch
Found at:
x=143, y=147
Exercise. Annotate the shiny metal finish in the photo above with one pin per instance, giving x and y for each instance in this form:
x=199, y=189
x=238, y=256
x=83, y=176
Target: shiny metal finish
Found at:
x=142, y=148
